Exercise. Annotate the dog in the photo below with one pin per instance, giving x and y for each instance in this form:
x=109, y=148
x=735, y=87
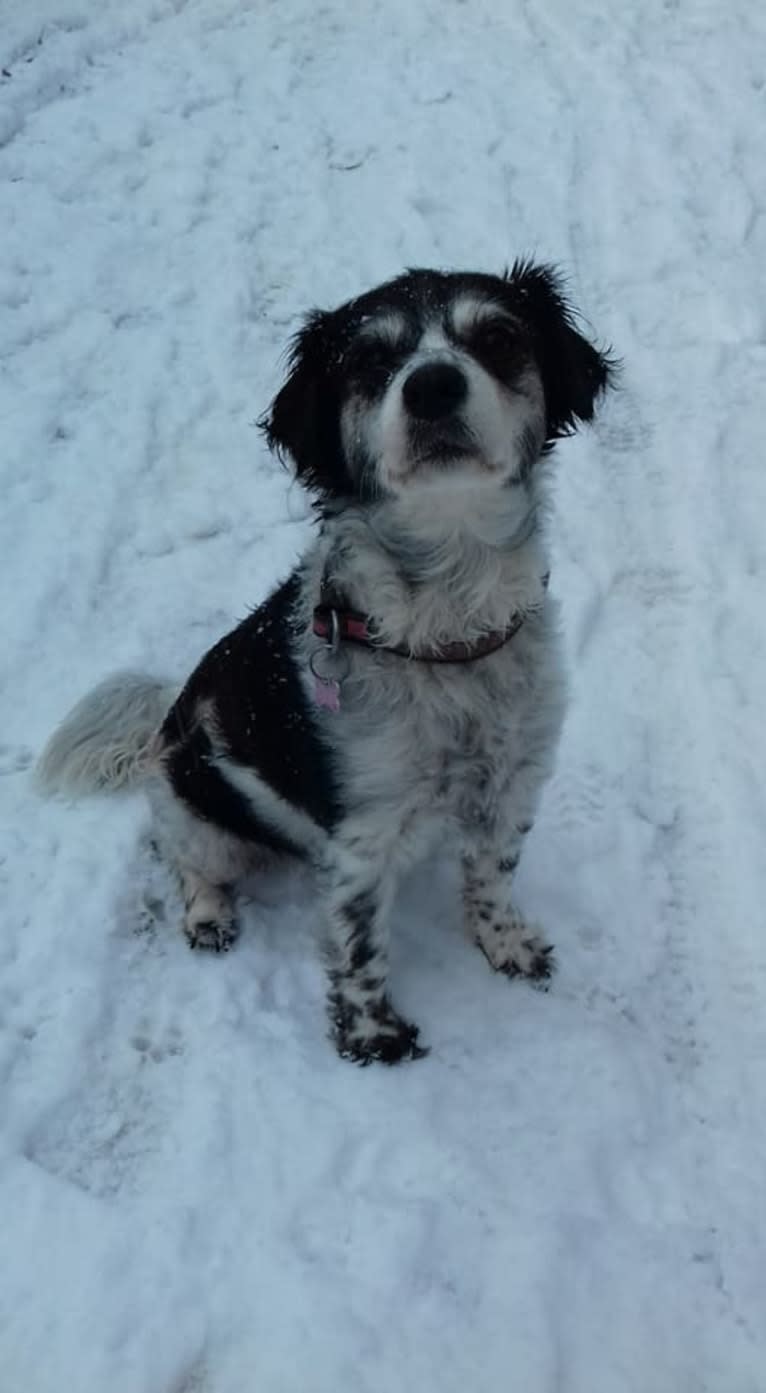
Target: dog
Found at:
x=406, y=681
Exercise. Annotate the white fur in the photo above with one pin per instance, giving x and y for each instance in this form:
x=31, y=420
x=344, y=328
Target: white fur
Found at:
x=107, y=741
x=295, y=826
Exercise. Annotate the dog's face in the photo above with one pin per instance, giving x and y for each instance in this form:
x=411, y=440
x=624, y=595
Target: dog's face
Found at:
x=448, y=380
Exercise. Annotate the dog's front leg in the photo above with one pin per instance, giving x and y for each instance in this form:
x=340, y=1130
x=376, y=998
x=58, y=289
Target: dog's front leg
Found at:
x=508, y=942
x=359, y=886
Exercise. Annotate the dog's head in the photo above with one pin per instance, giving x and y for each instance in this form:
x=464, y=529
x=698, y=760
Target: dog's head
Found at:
x=444, y=379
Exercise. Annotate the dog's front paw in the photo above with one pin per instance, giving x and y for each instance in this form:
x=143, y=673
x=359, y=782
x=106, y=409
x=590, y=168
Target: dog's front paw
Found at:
x=518, y=951
x=374, y=1035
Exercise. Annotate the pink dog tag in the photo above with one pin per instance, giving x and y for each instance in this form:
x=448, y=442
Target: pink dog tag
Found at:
x=327, y=688
x=327, y=692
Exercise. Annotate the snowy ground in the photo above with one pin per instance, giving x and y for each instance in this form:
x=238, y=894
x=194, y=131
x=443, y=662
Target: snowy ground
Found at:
x=569, y=1194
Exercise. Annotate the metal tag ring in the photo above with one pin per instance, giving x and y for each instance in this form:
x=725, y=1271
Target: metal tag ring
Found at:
x=335, y=663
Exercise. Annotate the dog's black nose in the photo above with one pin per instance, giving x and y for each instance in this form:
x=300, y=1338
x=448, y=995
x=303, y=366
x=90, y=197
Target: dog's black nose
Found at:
x=434, y=390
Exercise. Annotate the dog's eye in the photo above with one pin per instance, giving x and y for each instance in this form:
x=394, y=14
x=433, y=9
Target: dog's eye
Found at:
x=369, y=355
x=499, y=345
x=497, y=337
x=372, y=363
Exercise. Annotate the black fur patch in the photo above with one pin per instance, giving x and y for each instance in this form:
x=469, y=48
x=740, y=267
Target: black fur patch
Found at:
x=359, y=914
x=199, y=784
x=573, y=371
x=250, y=681
x=508, y=865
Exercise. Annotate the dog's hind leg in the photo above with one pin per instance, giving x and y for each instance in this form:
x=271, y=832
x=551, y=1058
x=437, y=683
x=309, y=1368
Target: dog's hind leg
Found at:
x=208, y=862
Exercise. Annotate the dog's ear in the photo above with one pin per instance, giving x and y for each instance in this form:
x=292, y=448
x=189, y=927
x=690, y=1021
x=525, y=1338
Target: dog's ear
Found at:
x=574, y=373
x=303, y=420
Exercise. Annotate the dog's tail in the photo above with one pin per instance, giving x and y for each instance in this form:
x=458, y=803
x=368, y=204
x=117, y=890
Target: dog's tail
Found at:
x=107, y=742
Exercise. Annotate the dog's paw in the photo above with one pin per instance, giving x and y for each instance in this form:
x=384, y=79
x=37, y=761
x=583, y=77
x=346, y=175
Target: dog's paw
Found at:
x=380, y=1036
x=215, y=935
x=383, y=1048
x=516, y=951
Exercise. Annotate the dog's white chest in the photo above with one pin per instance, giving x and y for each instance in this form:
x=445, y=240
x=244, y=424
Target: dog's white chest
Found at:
x=442, y=748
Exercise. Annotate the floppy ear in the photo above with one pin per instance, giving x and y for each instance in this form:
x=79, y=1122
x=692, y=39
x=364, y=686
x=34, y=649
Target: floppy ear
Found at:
x=573, y=371
x=303, y=421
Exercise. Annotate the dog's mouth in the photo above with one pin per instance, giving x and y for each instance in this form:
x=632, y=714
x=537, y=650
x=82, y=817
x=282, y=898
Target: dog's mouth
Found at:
x=441, y=444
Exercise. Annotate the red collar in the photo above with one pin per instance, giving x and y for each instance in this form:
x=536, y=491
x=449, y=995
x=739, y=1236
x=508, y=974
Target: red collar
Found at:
x=348, y=626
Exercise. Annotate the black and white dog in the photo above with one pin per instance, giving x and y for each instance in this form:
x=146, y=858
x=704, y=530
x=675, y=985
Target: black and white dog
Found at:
x=407, y=676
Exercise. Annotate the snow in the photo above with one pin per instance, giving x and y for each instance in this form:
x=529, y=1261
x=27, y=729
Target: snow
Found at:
x=568, y=1195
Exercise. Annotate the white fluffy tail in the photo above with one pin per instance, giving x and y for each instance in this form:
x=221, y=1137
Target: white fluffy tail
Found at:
x=105, y=743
